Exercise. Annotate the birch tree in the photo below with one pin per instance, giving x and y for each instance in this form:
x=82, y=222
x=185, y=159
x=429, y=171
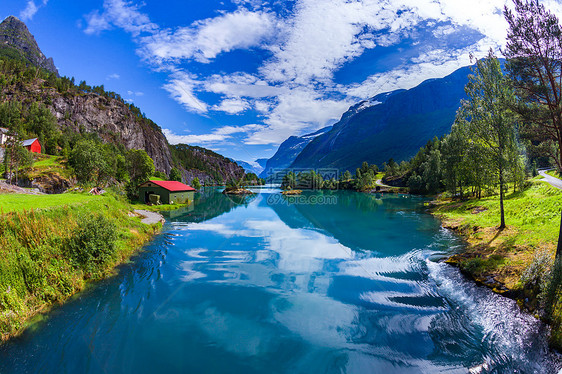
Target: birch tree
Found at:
x=487, y=120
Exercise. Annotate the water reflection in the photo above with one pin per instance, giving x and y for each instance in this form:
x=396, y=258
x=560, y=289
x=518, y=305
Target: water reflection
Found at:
x=279, y=288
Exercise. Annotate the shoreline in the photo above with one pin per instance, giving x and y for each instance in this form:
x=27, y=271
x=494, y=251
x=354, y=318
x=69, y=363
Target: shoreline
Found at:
x=494, y=259
x=17, y=315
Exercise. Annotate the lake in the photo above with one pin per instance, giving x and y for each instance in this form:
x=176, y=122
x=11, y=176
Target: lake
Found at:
x=334, y=282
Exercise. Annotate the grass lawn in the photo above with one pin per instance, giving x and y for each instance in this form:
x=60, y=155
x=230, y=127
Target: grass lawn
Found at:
x=533, y=222
x=48, y=255
x=20, y=202
x=47, y=161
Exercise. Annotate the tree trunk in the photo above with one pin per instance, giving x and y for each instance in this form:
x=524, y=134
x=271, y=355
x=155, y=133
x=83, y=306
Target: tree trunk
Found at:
x=559, y=247
x=502, y=223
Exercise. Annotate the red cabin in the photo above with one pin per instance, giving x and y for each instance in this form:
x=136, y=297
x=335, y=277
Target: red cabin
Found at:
x=32, y=145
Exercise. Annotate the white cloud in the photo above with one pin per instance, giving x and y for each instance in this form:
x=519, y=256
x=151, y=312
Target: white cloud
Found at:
x=229, y=130
x=119, y=13
x=295, y=112
x=242, y=85
x=31, y=9
x=217, y=136
x=113, y=76
x=193, y=139
x=232, y=106
x=206, y=39
x=181, y=87
x=133, y=93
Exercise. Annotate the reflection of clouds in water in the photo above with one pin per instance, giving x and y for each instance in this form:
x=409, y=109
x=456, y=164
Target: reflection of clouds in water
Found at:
x=393, y=299
x=190, y=273
x=317, y=319
x=376, y=267
x=218, y=228
x=392, y=362
x=300, y=250
x=404, y=323
x=196, y=252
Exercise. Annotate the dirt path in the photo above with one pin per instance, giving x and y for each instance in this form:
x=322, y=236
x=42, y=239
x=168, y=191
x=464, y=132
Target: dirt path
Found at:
x=150, y=218
x=379, y=182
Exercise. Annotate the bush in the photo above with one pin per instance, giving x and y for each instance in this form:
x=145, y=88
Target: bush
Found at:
x=92, y=244
x=537, y=274
x=159, y=174
x=473, y=265
x=175, y=175
x=132, y=191
x=195, y=183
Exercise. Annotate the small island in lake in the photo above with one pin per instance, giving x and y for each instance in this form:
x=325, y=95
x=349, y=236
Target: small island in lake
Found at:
x=291, y=192
x=237, y=191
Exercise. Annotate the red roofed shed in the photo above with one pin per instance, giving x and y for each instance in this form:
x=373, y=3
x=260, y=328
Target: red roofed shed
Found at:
x=170, y=192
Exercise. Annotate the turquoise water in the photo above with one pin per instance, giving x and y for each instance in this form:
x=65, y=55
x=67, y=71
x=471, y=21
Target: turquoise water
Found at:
x=336, y=283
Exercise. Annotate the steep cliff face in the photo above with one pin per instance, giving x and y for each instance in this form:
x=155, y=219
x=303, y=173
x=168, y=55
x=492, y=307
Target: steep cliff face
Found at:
x=205, y=164
x=110, y=118
x=17, y=41
x=113, y=122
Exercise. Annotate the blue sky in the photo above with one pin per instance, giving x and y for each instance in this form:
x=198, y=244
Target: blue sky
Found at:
x=240, y=76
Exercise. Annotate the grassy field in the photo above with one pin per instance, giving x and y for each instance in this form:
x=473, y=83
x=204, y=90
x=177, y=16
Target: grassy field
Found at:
x=48, y=255
x=21, y=202
x=532, y=217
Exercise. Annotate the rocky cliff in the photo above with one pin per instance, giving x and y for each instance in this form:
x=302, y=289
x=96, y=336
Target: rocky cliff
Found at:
x=110, y=118
x=17, y=41
x=205, y=164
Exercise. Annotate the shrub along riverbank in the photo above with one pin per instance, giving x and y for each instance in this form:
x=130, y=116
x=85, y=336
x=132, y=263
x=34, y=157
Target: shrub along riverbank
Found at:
x=517, y=260
x=48, y=255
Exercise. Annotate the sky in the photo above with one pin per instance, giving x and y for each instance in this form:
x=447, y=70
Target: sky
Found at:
x=241, y=76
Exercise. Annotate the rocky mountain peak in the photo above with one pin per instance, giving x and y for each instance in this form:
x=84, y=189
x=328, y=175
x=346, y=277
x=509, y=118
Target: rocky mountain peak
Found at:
x=15, y=39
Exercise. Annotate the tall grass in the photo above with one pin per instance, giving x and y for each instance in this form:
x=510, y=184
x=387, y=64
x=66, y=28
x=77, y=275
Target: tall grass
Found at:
x=47, y=256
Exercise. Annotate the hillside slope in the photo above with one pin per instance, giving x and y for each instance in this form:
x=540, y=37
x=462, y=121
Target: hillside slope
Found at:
x=288, y=152
x=85, y=109
x=390, y=125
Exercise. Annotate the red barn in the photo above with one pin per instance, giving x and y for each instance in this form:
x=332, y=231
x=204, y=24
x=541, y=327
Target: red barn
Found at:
x=32, y=145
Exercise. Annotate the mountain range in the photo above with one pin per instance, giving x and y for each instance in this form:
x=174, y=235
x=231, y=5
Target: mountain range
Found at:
x=390, y=125
x=256, y=168
x=288, y=152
